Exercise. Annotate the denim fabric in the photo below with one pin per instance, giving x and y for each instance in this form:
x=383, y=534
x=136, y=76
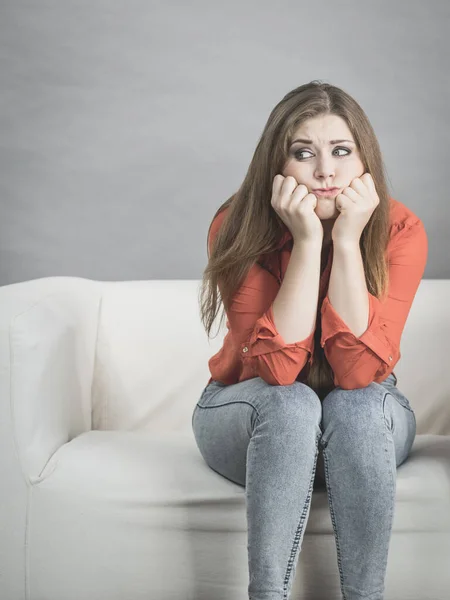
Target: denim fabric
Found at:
x=280, y=443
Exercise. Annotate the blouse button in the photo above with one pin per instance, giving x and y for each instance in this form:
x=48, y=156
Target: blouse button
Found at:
x=245, y=349
x=390, y=358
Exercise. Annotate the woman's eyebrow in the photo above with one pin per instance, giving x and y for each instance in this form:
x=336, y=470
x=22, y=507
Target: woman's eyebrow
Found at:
x=305, y=141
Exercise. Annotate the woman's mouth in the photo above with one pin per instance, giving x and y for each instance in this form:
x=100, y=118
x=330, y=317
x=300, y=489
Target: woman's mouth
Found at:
x=333, y=192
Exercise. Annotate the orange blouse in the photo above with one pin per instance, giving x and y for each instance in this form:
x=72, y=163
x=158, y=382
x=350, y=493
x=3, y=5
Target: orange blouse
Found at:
x=253, y=347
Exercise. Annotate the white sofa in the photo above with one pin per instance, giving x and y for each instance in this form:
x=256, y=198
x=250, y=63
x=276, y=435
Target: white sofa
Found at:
x=105, y=495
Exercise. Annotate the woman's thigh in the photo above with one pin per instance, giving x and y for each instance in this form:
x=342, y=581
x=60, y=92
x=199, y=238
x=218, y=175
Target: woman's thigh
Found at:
x=399, y=419
x=225, y=418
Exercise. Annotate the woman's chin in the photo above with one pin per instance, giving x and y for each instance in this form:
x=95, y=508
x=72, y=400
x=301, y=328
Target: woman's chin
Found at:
x=327, y=213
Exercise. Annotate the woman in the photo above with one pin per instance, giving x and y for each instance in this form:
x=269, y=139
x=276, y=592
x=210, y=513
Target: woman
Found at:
x=317, y=287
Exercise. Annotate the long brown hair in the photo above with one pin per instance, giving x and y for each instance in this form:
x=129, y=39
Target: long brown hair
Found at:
x=252, y=227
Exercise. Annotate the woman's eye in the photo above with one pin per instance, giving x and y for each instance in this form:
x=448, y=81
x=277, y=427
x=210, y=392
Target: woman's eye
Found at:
x=299, y=152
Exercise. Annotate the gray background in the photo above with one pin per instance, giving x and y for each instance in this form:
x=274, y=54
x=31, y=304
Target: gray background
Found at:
x=124, y=125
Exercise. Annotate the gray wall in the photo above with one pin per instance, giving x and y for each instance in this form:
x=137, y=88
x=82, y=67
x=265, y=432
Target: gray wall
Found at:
x=124, y=125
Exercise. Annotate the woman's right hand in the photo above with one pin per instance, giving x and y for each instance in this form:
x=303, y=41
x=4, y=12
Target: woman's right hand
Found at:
x=295, y=206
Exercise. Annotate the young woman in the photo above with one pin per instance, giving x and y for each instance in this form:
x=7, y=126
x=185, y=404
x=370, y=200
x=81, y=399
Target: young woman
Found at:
x=317, y=286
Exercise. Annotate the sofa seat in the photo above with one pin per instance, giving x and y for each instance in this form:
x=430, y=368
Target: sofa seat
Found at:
x=116, y=471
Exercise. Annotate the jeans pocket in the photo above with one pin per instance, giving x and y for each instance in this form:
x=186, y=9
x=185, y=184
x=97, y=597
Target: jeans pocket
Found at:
x=210, y=392
x=391, y=380
x=402, y=399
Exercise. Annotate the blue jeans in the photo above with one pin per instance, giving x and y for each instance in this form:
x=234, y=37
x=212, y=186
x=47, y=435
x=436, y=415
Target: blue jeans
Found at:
x=270, y=439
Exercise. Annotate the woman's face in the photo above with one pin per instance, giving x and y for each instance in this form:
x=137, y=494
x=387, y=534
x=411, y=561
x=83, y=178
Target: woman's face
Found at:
x=321, y=164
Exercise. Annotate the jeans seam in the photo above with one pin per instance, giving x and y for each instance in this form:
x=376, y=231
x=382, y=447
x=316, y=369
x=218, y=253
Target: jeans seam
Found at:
x=300, y=527
x=231, y=402
x=330, y=502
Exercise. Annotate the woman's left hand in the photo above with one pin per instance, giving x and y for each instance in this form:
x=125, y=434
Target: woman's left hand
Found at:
x=356, y=205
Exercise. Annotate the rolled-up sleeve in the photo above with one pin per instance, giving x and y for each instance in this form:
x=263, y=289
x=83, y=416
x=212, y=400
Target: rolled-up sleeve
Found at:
x=271, y=358
x=358, y=361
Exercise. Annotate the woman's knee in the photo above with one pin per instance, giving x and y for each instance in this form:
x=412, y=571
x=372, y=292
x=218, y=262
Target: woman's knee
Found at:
x=292, y=403
x=358, y=409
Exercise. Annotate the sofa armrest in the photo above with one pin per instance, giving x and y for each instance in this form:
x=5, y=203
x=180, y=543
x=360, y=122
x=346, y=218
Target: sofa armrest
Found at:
x=48, y=332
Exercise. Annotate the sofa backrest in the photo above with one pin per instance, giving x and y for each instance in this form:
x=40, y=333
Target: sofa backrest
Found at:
x=152, y=356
